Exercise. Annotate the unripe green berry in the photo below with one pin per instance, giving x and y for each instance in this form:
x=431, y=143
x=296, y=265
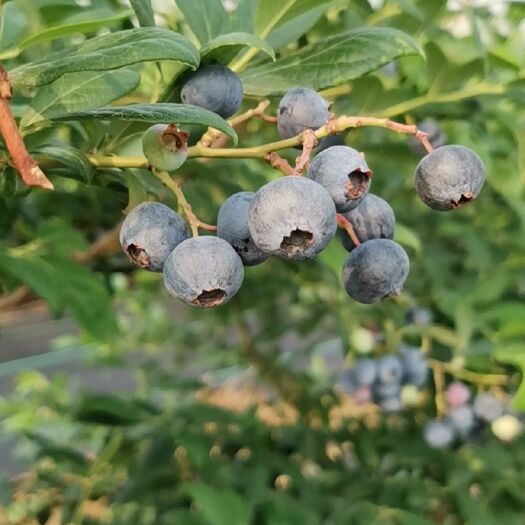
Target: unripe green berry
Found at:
x=165, y=146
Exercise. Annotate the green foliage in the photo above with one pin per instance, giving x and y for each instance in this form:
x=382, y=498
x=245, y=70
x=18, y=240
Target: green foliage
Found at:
x=164, y=455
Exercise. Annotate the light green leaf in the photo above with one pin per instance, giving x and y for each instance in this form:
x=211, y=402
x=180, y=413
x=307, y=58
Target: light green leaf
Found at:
x=514, y=354
x=108, y=52
x=407, y=237
x=71, y=162
x=78, y=92
x=206, y=18
x=219, y=507
x=52, y=33
x=144, y=12
x=291, y=29
x=269, y=13
x=225, y=47
x=331, y=61
x=244, y=15
x=166, y=112
x=12, y=25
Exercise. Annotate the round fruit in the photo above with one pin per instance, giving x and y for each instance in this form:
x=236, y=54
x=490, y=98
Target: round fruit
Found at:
x=150, y=232
x=462, y=419
x=449, y=177
x=507, y=427
x=391, y=404
x=292, y=217
x=375, y=270
x=232, y=226
x=436, y=137
x=165, y=147
x=365, y=371
x=438, y=433
x=457, y=394
x=488, y=407
x=410, y=396
x=344, y=173
x=389, y=369
x=373, y=218
x=301, y=108
x=203, y=272
x=213, y=87
x=415, y=367
x=418, y=316
x=328, y=142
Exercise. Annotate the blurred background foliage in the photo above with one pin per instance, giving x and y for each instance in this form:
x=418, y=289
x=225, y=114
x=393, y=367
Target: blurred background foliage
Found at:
x=232, y=417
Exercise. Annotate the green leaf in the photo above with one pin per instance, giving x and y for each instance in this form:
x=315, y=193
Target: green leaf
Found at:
x=219, y=507
x=269, y=13
x=331, y=61
x=108, y=52
x=297, y=25
x=78, y=92
x=206, y=18
x=407, y=237
x=514, y=354
x=244, y=15
x=225, y=47
x=52, y=33
x=144, y=12
x=73, y=162
x=12, y=25
x=166, y=112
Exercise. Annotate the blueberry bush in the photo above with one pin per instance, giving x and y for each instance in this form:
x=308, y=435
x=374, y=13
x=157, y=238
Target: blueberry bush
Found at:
x=301, y=225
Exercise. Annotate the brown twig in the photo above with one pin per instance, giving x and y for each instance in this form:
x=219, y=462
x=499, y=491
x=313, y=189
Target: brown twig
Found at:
x=347, y=225
x=309, y=141
x=212, y=134
x=31, y=174
x=277, y=162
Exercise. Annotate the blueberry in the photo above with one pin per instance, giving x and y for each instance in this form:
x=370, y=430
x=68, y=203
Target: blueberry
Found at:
x=389, y=369
x=415, y=367
x=507, y=427
x=344, y=173
x=373, y=218
x=449, y=177
x=150, y=232
x=203, y=272
x=365, y=371
x=213, y=87
x=488, y=407
x=301, y=108
x=391, y=404
x=419, y=316
x=457, y=394
x=165, y=147
x=328, y=142
x=462, y=419
x=436, y=137
x=387, y=389
x=375, y=270
x=347, y=382
x=293, y=217
x=232, y=226
x=438, y=433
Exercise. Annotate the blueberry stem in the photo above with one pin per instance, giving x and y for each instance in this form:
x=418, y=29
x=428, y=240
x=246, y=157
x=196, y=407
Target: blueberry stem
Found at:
x=468, y=375
x=309, y=141
x=175, y=185
x=347, y=225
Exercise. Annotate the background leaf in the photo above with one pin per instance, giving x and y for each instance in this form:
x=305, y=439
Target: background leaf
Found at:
x=12, y=25
x=144, y=12
x=206, y=18
x=225, y=47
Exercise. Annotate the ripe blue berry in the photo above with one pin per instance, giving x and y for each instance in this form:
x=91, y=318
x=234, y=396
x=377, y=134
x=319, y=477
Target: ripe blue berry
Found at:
x=301, y=108
x=391, y=404
x=449, y=177
x=419, y=316
x=344, y=173
x=389, y=369
x=232, y=226
x=488, y=407
x=165, y=147
x=150, y=232
x=213, y=87
x=373, y=218
x=365, y=371
x=462, y=419
x=375, y=270
x=328, y=142
x=438, y=433
x=292, y=217
x=436, y=136
x=203, y=272
x=415, y=367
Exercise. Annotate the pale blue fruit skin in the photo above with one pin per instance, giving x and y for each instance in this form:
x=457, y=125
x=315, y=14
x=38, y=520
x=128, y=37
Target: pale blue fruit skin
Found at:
x=415, y=366
x=365, y=371
x=373, y=218
x=232, y=226
x=389, y=369
x=156, y=230
x=214, y=87
x=301, y=108
x=448, y=175
x=391, y=404
x=436, y=137
x=340, y=169
x=289, y=204
x=158, y=155
x=375, y=270
x=463, y=419
x=438, y=434
x=488, y=407
x=419, y=316
x=329, y=142
x=203, y=264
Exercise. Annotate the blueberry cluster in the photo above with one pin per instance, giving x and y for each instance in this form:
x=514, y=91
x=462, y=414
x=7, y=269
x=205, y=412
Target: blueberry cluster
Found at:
x=467, y=417
x=392, y=382
x=292, y=217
